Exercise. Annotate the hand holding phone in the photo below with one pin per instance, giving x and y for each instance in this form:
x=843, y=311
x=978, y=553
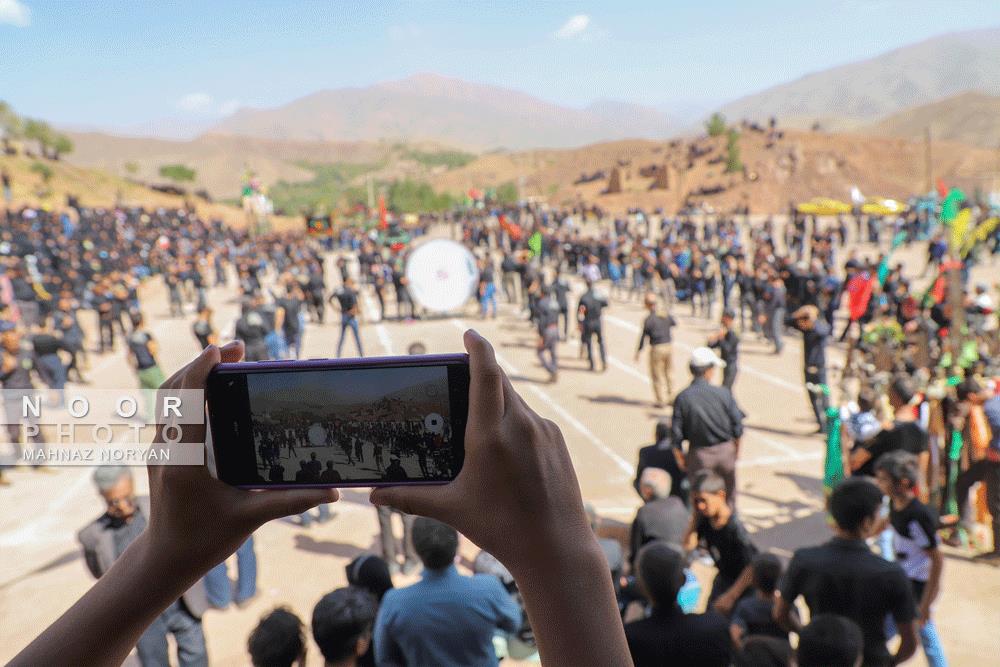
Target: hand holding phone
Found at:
x=339, y=422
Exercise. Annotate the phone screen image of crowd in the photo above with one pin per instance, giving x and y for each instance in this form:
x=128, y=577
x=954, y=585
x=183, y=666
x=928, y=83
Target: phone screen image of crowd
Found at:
x=356, y=425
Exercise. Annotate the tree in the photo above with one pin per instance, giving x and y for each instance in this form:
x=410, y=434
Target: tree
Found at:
x=43, y=170
x=716, y=125
x=733, y=162
x=132, y=168
x=507, y=193
x=61, y=145
x=40, y=131
x=178, y=173
x=11, y=124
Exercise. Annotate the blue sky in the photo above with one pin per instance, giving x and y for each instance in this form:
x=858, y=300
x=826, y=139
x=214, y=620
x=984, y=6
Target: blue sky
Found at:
x=115, y=63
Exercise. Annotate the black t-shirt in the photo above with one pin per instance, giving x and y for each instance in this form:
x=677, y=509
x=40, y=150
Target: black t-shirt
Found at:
x=671, y=637
x=754, y=616
x=914, y=533
x=730, y=546
x=348, y=300
x=19, y=376
x=592, y=306
x=292, y=306
x=45, y=343
x=202, y=331
x=138, y=343
x=908, y=436
x=844, y=577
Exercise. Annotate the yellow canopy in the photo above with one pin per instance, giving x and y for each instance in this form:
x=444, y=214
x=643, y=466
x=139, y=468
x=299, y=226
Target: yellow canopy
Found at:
x=823, y=206
x=876, y=206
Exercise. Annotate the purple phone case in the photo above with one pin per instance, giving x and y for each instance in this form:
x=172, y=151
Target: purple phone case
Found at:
x=348, y=362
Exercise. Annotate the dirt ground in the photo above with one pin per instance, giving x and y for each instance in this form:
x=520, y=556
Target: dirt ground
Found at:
x=605, y=418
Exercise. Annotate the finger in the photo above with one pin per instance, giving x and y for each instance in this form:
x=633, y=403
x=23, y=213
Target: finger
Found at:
x=486, y=394
x=232, y=351
x=269, y=505
x=197, y=371
x=427, y=501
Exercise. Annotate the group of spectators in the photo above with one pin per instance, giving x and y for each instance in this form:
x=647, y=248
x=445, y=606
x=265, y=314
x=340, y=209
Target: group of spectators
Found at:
x=907, y=481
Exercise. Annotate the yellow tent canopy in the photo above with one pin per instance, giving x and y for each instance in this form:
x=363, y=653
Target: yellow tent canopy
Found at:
x=823, y=206
x=878, y=206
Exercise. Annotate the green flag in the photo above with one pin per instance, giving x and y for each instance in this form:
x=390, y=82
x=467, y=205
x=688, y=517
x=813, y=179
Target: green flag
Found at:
x=535, y=244
x=949, y=207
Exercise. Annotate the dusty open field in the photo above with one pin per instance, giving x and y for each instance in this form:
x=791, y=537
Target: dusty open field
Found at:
x=605, y=419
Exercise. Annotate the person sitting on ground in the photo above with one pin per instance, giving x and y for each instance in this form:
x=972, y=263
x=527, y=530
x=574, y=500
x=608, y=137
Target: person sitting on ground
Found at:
x=196, y=521
x=668, y=636
x=663, y=454
x=277, y=641
x=830, y=641
x=754, y=616
x=342, y=626
x=715, y=528
x=446, y=618
x=662, y=517
x=844, y=577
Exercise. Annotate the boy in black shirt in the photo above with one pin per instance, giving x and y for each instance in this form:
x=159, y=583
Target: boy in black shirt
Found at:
x=914, y=533
x=715, y=528
x=754, y=615
x=844, y=577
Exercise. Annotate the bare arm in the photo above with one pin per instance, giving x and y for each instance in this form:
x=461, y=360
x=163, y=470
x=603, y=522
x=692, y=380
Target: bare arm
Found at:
x=783, y=615
x=907, y=643
x=725, y=602
x=518, y=480
x=933, y=586
x=196, y=522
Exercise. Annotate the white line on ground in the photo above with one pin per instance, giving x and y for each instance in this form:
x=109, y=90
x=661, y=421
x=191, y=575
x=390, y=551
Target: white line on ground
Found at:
x=563, y=414
x=773, y=379
x=371, y=314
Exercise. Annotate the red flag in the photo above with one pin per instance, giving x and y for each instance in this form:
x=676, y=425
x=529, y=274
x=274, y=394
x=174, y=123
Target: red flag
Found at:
x=942, y=189
x=512, y=228
x=937, y=291
x=859, y=290
x=383, y=221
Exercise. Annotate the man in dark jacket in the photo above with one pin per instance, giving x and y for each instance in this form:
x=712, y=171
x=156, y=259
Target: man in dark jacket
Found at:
x=815, y=334
x=106, y=538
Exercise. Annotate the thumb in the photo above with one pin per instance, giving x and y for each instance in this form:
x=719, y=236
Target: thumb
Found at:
x=274, y=504
x=429, y=501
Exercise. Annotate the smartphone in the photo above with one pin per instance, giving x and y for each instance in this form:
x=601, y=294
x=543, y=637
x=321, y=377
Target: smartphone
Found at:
x=339, y=422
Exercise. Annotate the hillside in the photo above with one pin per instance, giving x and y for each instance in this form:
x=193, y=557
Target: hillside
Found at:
x=859, y=93
x=796, y=167
x=95, y=187
x=429, y=107
x=969, y=118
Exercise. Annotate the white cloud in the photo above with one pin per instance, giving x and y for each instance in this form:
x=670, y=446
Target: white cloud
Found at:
x=195, y=103
x=575, y=27
x=205, y=105
x=15, y=13
x=229, y=107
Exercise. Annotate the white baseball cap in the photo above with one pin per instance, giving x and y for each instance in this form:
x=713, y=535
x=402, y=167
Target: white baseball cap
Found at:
x=704, y=356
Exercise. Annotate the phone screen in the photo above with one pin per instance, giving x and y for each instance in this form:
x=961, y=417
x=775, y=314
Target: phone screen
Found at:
x=339, y=426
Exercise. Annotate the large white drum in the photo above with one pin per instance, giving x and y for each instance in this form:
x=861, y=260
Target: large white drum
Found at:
x=442, y=275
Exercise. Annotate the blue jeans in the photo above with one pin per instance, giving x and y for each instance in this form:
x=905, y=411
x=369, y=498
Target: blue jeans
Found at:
x=186, y=629
x=276, y=348
x=219, y=587
x=929, y=639
x=349, y=322
x=488, y=300
x=323, y=515
x=53, y=370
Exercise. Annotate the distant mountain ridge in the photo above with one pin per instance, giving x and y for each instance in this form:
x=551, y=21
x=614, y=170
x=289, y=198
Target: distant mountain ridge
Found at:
x=859, y=93
x=969, y=118
x=430, y=107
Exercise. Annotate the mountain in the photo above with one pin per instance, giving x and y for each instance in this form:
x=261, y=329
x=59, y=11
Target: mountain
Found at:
x=429, y=107
x=860, y=93
x=969, y=118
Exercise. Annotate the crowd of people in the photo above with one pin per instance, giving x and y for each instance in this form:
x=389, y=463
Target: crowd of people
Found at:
x=917, y=464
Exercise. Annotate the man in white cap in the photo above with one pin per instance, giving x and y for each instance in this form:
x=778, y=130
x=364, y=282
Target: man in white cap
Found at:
x=707, y=417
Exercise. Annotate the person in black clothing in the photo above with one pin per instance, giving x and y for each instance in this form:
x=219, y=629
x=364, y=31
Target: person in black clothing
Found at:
x=715, y=528
x=548, y=333
x=668, y=636
x=347, y=299
x=560, y=287
x=656, y=328
x=588, y=314
x=753, y=616
x=662, y=454
x=844, y=577
x=291, y=323
x=251, y=330
x=395, y=472
x=663, y=516
x=815, y=335
x=707, y=417
x=830, y=641
x=727, y=342
x=906, y=434
x=203, y=330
